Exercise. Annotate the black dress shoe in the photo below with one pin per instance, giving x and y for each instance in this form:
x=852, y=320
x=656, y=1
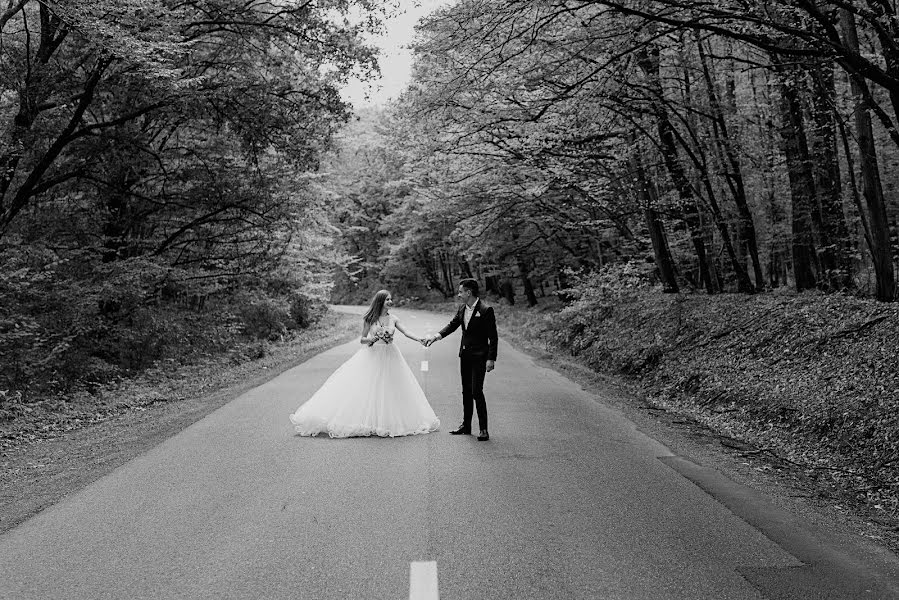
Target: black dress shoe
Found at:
x=483, y=436
x=461, y=431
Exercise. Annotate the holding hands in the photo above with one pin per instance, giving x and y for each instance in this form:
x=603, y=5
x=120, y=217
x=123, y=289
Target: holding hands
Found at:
x=429, y=339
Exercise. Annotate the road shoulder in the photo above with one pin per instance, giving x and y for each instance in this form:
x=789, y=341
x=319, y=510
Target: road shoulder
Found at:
x=784, y=487
x=38, y=474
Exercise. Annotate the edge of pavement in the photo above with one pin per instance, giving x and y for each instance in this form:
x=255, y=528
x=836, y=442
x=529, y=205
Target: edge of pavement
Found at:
x=842, y=559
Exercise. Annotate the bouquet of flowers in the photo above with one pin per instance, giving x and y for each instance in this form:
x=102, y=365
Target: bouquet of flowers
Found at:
x=383, y=335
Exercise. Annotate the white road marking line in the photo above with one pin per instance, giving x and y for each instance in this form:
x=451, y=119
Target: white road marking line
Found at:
x=424, y=365
x=423, y=581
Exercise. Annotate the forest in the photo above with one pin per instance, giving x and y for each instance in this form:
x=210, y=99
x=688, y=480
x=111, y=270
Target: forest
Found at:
x=697, y=197
x=722, y=147
x=179, y=176
x=160, y=189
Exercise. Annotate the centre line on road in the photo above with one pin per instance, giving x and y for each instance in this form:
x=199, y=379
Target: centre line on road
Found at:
x=423, y=581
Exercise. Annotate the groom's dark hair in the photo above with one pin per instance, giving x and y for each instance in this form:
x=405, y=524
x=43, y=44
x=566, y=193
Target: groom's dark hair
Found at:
x=471, y=285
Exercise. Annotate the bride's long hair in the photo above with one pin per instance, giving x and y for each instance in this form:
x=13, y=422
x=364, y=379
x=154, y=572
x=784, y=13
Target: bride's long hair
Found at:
x=377, y=306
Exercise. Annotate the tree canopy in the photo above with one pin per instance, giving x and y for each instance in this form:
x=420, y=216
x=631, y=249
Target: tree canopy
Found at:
x=160, y=152
x=723, y=146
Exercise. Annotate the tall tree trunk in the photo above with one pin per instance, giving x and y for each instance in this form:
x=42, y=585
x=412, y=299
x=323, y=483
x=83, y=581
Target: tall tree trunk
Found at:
x=429, y=265
x=648, y=60
x=648, y=198
x=697, y=155
x=734, y=174
x=835, y=253
x=466, y=268
x=447, y=273
x=872, y=189
x=802, y=185
x=700, y=162
x=773, y=269
x=507, y=291
x=661, y=250
x=524, y=272
x=491, y=284
x=853, y=186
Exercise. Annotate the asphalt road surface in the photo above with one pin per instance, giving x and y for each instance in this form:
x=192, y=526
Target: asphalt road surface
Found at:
x=566, y=501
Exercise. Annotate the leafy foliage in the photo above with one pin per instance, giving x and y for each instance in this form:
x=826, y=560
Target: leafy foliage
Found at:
x=157, y=159
x=721, y=142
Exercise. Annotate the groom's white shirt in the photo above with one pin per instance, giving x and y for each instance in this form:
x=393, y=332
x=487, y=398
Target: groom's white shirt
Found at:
x=469, y=310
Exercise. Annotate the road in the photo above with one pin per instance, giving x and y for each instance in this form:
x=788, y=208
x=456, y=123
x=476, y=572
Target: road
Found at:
x=566, y=501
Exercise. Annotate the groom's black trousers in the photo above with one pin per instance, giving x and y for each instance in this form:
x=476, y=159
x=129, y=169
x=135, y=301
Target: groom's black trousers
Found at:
x=474, y=369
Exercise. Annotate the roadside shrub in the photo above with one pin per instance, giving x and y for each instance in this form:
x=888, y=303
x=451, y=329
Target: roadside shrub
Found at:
x=589, y=325
x=140, y=340
x=10, y=402
x=613, y=281
x=262, y=318
x=44, y=313
x=304, y=310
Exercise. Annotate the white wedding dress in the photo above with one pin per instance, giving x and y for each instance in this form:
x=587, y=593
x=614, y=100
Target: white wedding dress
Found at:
x=372, y=393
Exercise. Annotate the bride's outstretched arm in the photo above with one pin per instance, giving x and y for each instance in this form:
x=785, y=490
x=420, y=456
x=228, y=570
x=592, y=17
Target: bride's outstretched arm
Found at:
x=406, y=333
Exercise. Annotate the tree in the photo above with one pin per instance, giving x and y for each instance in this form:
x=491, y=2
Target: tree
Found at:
x=820, y=31
x=557, y=90
x=155, y=153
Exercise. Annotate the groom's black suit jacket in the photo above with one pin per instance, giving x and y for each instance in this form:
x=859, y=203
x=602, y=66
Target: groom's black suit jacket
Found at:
x=479, y=339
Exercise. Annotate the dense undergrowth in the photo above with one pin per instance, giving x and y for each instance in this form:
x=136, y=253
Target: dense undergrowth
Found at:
x=75, y=347
x=168, y=381
x=811, y=378
x=66, y=326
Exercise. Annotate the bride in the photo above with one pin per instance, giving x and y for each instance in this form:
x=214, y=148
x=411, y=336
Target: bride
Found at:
x=372, y=393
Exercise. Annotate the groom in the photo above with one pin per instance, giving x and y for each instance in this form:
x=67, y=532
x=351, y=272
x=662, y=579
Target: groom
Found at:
x=477, y=353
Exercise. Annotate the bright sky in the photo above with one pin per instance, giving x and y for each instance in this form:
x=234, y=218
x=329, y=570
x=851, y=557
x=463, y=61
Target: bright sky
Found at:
x=395, y=58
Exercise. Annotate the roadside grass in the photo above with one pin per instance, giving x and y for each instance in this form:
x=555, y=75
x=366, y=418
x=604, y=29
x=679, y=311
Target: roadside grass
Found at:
x=809, y=382
x=57, y=446
x=169, y=382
